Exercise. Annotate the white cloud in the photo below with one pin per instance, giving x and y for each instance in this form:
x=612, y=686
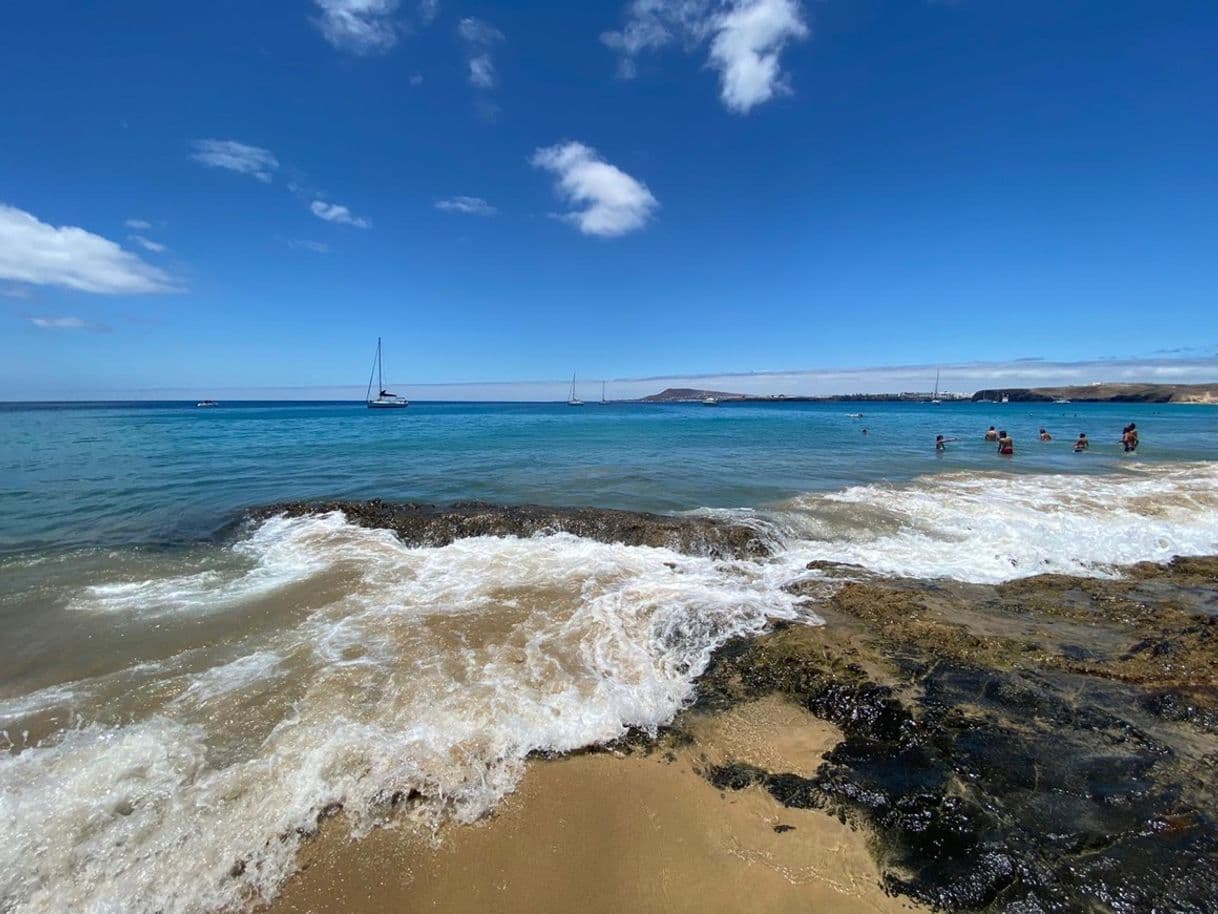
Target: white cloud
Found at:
x=317, y=247
x=746, y=40
x=475, y=206
x=238, y=157
x=358, y=26
x=149, y=245
x=479, y=38
x=606, y=201
x=68, y=323
x=428, y=11
x=335, y=212
x=482, y=72
x=139, y=225
x=478, y=32
x=745, y=51
x=33, y=252
x=416, y=79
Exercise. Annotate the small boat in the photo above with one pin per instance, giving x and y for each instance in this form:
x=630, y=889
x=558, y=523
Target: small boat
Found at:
x=572, y=399
x=204, y=404
x=934, y=398
x=1061, y=400
x=711, y=401
x=855, y=415
x=385, y=399
x=1005, y=399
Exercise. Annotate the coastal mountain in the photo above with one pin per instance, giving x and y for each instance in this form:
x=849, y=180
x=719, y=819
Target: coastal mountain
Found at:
x=1107, y=393
x=689, y=394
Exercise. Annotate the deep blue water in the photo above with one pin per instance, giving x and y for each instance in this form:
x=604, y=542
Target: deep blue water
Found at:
x=121, y=473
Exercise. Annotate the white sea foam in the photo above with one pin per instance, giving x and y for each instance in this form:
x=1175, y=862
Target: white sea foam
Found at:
x=989, y=528
x=438, y=670
x=275, y=561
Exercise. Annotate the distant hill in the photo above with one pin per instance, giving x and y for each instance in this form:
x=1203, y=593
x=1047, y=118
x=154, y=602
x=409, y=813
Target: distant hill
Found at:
x=1107, y=393
x=687, y=394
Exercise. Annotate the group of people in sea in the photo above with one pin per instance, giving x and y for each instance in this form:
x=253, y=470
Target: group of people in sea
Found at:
x=1006, y=444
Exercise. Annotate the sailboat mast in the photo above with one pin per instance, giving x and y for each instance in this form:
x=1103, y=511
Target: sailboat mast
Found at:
x=380, y=380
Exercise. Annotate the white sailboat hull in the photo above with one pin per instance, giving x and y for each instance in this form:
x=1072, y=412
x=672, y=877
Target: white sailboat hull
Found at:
x=388, y=404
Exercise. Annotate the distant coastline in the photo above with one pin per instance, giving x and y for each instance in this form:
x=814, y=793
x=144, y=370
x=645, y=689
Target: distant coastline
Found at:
x=1091, y=393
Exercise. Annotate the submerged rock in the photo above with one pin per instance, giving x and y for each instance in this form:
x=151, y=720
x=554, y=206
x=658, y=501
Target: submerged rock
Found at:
x=1042, y=746
x=431, y=525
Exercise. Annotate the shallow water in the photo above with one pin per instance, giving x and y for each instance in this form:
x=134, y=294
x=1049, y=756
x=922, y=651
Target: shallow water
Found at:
x=179, y=705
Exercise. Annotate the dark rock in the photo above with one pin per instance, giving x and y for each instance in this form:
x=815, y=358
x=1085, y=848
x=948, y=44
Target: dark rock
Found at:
x=429, y=525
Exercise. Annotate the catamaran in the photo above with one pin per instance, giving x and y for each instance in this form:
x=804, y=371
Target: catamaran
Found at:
x=573, y=400
x=386, y=399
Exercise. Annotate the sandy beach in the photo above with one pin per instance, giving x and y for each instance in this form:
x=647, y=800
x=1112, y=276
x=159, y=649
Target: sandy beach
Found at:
x=640, y=830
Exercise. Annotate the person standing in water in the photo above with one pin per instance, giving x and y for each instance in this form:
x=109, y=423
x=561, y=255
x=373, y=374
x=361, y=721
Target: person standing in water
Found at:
x=1045, y=436
x=991, y=434
x=1082, y=444
x=1006, y=446
x=941, y=442
x=1129, y=438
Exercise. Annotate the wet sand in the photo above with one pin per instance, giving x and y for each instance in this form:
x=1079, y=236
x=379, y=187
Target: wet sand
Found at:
x=640, y=830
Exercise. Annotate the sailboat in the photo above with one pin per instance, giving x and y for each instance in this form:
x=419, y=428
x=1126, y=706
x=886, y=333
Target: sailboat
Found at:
x=573, y=400
x=604, y=402
x=385, y=399
x=935, y=396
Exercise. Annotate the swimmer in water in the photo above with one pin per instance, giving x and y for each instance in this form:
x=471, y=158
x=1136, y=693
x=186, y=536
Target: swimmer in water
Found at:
x=1082, y=444
x=1129, y=438
x=941, y=442
x=1006, y=446
x=1045, y=436
x=991, y=434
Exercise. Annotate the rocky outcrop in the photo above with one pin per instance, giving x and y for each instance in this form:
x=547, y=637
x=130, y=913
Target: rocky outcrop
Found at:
x=431, y=525
x=1042, y=746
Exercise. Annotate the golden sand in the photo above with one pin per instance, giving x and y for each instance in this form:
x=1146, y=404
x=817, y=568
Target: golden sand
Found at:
x=611, y=833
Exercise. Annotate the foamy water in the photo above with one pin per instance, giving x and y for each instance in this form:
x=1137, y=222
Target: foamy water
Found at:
x=314, y=663
x=436, y=672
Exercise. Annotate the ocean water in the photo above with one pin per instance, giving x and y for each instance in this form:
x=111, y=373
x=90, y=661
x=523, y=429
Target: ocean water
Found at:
x=182, y=693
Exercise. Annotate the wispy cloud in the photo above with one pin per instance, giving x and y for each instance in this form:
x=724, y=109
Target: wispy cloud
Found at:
x=317, y=247
x=358, y=26
x=148, y=244
x=475, y=206
x=428, y=11
x=31, y=251
x=605, y=200
x=139, y=225
x=746, y=39
x=479, y=38
x=336, y=212
x=239, y=157
x=21, y=292
x=68, y=323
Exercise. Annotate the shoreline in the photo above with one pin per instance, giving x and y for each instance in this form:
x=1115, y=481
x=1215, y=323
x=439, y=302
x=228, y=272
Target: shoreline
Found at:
x=1045, y=742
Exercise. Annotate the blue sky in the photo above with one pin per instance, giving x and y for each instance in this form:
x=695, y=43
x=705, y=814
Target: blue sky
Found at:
x=240, y=197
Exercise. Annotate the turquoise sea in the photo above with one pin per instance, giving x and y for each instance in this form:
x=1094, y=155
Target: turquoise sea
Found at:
x=73, y=474
x=181, y=688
